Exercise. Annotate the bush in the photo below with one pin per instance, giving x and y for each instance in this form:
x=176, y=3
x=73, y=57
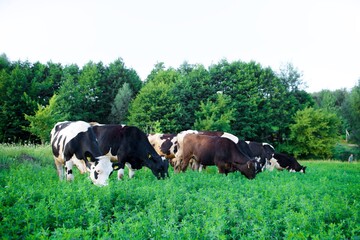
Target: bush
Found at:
x=342, y=151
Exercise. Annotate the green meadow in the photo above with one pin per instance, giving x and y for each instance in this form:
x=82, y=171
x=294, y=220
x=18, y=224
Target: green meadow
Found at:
x=324, y=203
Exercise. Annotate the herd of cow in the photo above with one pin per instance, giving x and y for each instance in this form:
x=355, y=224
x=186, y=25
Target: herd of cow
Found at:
x=101, y=149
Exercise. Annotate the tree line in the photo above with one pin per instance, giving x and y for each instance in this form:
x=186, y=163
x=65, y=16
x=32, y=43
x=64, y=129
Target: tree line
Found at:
x=244, y=98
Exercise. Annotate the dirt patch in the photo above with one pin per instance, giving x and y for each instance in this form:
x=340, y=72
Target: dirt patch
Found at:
x=26, y=158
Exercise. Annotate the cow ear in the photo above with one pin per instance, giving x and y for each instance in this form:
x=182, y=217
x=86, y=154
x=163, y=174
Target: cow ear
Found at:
x=89, y=157
x=115, y=166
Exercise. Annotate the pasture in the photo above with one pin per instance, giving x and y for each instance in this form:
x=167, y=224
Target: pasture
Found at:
x=324, y=203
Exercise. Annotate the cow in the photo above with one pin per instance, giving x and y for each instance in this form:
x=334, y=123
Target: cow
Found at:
x=263, y=151
x=283, y=161
x=75, y=143
x=219, y=151
x=164, y=144
x=128, y=145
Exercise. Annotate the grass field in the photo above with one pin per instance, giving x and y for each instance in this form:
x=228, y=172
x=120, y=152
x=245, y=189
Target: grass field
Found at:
x=324, y=203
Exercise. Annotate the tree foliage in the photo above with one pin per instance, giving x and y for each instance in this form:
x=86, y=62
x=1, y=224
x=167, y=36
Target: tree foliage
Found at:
x=314, y=133
x=15, y=102
x=120, y=106
x=258, y=103
x=192, y=87
x=215, y=116
x=88, y=94
x=44, y=120
x=156, y=104
x=351, y=113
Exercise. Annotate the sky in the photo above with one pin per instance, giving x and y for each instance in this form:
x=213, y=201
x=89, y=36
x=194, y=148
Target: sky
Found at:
x=320, y=38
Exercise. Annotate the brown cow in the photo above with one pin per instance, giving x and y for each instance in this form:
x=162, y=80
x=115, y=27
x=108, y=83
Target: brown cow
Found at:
x=213, y=150
x=243, y=146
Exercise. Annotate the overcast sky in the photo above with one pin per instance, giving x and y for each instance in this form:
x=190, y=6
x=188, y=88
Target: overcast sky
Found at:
x=321, y=38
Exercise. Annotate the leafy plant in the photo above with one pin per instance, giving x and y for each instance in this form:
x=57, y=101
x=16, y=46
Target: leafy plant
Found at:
x=314, y=133
x=321, y=204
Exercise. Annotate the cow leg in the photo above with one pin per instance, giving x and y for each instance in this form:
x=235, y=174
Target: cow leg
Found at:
x=176, y=164
x=185, y=161
x=178, y=159
x=80, y=164
x=276, y=164
x=201, y=167
x=194, y=165
x=68, y=170
x=222, y=168
x=121, y=163
x=131, y=171
x=120, y=173
x=268, y=165
x=59, y=168
x=271, y=164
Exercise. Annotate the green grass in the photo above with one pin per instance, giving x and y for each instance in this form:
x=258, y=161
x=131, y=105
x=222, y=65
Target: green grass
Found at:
x=324, y=203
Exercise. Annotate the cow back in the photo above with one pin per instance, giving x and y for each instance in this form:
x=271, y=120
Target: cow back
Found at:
x=69, y=138
x=288, y=162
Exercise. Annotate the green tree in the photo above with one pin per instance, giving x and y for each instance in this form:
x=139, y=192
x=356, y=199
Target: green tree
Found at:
x=44, y=119
x=215, y=116
x=116, y=75
x=158, y=67
x=333, y=101
x=351, y=113
x=314, y=133
x=155, y=104
x=15, y=102
x=192, y=87
x=80, y=95
x=45, y=80
x=69, y=94
x=120, y=106
x=257, y=96
x=4, y=62
x=291, y=78
x=91, y=94
x=289, y=101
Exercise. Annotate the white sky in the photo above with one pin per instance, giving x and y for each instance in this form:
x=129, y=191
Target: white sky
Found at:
x=321, y=38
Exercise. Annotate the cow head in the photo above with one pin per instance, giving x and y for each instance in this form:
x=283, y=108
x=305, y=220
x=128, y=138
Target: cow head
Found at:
x=269, y=150
x=100, y=170
x=158, y=165
x=161, y=169
x=248, y=169
x=259, y=167
x=298, y=169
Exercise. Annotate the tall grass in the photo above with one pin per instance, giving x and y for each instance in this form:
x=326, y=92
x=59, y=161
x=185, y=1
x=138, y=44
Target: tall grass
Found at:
x=324, y=203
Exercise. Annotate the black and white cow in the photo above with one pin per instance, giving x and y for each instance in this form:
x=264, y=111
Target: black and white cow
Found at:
x=263, y=151
x=75, y=143
x=283, y=161
x=128, y=145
